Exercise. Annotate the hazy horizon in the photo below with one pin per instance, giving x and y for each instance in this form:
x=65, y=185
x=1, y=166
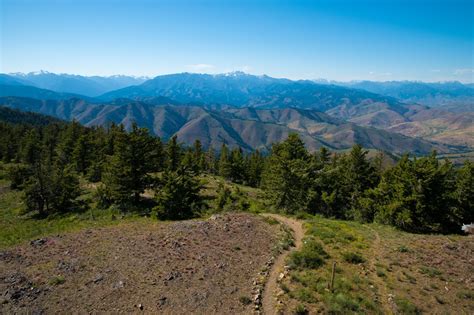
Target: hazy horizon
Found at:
x=145, y=77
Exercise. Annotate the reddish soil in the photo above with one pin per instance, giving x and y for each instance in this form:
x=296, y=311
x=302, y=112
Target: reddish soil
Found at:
x=182, y=267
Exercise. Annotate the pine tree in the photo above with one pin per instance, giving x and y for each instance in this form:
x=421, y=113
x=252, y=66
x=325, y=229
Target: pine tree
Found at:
x=324, y=156
x=52, y=188
x=127, y=173
x=286, y=177
x=177, y=195
x=173, y=151
x=237, y=166
x=255, y=165
x=465, y=193
x=31, y=147
x=82, y=153
x=225, y=166
x=210, y=161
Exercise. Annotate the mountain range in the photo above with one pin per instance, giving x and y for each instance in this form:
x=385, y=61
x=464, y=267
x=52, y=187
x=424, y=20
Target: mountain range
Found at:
x=90, y=86
x=453, y=96
x=255, y=111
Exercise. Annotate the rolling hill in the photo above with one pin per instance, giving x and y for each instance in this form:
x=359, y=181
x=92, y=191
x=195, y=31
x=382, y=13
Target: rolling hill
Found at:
x=249, y=128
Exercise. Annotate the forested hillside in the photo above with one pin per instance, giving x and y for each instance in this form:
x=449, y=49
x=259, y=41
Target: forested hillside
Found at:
x=417, y=194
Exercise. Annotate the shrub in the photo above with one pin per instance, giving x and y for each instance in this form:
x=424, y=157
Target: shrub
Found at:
x=353, y=258
x=465, y=294
x=57, y=280
x=312, y=255
x=245, y=300
x=403, y=249
x=406, y=307
x=430, y=272
x=300, y=310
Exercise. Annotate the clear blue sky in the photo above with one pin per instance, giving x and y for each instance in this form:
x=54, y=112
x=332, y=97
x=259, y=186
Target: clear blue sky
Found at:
x=428, y=40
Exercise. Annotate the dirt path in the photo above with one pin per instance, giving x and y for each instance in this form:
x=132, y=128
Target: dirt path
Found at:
x=376, y=257
x=268, y=300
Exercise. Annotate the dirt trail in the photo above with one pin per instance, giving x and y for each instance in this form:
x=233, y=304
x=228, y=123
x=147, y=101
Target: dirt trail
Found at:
x=271, y=286
x=376, y=257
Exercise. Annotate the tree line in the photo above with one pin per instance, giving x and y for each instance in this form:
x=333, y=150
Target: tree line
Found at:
x=416, y=194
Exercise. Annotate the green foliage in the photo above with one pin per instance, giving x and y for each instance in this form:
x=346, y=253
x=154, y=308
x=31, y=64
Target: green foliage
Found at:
x=404, y=306
x=127, y=173
x=353, y=258
x=403, y=249
x=52, y=188
x=57, y=280
x=300, y=309
x=286, y=178
x=18, y=174
x=225, y=165
x=419, y=196
x=311, y=255
x=173, y=152
x=177, y=195
x=430, y=272
x=465, y=294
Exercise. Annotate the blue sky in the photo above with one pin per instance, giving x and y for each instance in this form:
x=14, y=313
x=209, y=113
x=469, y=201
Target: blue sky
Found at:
x=337, y=40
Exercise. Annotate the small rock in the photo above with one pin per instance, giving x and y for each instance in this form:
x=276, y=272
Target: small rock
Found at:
x=162, y=300
x=38, y=242
x=98, y=278
x=281, y=276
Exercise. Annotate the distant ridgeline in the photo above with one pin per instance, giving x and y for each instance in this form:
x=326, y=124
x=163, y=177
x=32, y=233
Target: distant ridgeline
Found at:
x=253, y=112
x=46, y=158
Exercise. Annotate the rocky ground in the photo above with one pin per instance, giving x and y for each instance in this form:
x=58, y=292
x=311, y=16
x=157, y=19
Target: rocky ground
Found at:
x=181, y=267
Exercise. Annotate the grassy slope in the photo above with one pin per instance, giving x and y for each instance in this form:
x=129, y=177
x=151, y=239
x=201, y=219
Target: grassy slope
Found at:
x=16, y=228
x=382, y=270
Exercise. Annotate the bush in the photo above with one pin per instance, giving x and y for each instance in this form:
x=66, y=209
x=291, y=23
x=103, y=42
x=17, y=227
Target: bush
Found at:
x=245, y=300
x=403, y=249
x=353, y=258
x=406, y=307
x=311, y=256
x=465, y=294
x=430, y=272
x=57, y=280
x=301, y=310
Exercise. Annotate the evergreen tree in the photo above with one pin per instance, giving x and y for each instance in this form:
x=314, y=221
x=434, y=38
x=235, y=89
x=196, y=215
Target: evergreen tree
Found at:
x=464, y=193
x=286, y=178
x=82, y=154
x=255, y=165
x=418, y=196
x=127, y=173
x=177, y=195
x=225, y=166
x=210, y=161
x=173, y=151
x=324, y=156
x=31, y=147
x=237, y=165
x=52, y=188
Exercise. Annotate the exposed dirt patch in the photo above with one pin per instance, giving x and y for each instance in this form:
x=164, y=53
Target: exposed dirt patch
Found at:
x=180, y=268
